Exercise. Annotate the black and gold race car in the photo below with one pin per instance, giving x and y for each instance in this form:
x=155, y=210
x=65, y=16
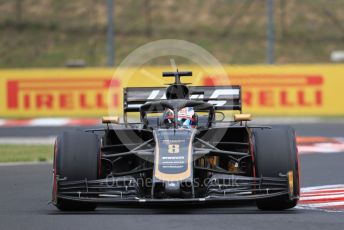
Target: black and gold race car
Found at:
x=183, y=151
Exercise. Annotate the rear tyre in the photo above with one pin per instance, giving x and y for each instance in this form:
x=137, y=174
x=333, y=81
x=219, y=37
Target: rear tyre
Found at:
x=275, y=152
x=76, y=157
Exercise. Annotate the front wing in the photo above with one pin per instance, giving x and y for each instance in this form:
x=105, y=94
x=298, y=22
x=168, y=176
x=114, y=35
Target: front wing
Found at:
x=128, y=192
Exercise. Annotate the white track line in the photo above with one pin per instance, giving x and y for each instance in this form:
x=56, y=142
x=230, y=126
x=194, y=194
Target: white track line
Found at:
x=25, y=163
x=322, y=197
x=324, y=205
x=321, y=194
x=28, y=140
x=2, y=122
x=49, y=122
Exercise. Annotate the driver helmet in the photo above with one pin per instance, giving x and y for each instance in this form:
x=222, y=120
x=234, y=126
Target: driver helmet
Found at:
x=186, y=117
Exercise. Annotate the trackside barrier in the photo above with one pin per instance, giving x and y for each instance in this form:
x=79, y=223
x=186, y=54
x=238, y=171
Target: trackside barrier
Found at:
x=291, y=90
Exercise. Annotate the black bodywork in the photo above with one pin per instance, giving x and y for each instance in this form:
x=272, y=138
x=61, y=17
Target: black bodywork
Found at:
x=149, y=162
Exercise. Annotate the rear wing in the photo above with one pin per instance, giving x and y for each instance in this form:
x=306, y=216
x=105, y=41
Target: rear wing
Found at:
x=222, y=97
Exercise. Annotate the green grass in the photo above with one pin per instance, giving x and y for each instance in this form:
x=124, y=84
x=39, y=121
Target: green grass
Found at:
x=49, y=32
x=25, y=153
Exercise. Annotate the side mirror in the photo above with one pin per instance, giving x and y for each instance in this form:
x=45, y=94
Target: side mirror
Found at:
x=109, y=120
x=243, y=117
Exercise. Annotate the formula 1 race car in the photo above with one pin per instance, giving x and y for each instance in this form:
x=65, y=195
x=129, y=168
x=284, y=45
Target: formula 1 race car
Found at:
x=183, y=151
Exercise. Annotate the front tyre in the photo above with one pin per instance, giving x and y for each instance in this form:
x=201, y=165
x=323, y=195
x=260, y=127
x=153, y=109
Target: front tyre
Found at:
x=76, y=157
x=275, y=153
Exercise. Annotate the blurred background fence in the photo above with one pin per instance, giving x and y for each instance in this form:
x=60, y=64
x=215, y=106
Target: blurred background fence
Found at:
x=47, y=33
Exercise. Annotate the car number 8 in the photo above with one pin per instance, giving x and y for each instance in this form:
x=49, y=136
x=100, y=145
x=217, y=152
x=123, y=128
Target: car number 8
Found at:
x=173, y=148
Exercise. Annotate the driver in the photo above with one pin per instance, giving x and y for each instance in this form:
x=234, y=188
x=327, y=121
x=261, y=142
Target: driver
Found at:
x=186, y=117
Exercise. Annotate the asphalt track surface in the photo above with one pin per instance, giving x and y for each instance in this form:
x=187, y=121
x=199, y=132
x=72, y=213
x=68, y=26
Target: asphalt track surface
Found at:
x=25, y=194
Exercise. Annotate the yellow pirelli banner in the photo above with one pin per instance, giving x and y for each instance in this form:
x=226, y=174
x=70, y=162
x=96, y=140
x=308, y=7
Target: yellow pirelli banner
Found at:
x=291, y=90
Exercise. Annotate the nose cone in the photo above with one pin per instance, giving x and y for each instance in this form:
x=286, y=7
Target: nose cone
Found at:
x=172, y=189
